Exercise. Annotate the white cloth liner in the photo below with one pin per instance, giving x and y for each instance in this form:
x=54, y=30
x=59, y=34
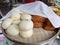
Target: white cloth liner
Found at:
x=37, y=8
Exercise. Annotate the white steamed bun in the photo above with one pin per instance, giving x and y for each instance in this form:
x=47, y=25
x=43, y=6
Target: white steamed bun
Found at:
x=26, y=25
x=6, y=23
x=13, y=30
x=26, y=34
x=16, y=21
x=26, y=16
x=15, y=15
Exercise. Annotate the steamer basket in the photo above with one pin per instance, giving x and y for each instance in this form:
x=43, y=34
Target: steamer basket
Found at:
x=40, y=37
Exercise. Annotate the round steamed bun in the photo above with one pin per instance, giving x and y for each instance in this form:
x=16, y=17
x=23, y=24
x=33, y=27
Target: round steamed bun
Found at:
x=26, y=17
x=26, y=34
x=6, y=23
x=13, y=30
x=15, y=15
x=16, y=22
x=26, y=25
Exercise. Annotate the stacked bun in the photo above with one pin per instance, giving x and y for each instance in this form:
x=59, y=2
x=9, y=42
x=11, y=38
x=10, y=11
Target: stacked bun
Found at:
x=26, y=26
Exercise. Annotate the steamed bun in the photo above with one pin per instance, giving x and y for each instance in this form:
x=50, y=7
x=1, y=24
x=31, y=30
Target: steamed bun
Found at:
x=16, y=22
x=25, y=17
x=6, y=23
x=26, y=34
x=26, y=25
x=15, y=15
x=13, y=30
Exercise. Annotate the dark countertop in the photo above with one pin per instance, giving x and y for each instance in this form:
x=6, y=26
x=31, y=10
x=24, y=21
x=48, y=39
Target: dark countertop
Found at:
x=5, y=8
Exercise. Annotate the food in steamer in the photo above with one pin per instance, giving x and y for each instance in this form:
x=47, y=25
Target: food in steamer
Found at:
x=38, y=21
x=22, y=24
x=26, y=25
x=41, y=22
x=26, y=34
x=38, y=24
x=48, y=25
x=36, y=18
x=16, y=21
x=12, y=30
x=17, y=24
x=15, y=16
x=25, y=16
x=6, y=23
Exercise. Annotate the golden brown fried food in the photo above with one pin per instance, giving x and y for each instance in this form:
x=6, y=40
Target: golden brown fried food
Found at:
x=38, y=18
x=41, y=22
x=48, y=25
x=38, y=24
x=49, y=28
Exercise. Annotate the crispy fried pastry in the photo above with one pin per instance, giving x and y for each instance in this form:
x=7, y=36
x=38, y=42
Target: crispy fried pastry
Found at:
x=38, y=18
x=49, y=28
x=38, y=24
